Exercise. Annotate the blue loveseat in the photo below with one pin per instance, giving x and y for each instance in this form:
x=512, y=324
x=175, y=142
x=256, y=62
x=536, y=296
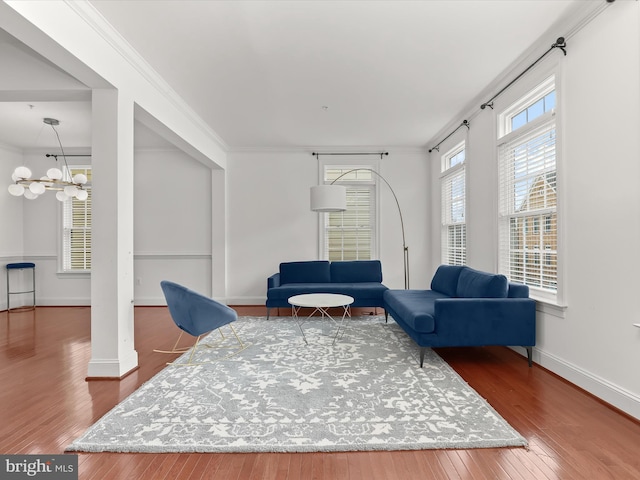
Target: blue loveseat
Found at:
x=360, y=279
x=465, y=307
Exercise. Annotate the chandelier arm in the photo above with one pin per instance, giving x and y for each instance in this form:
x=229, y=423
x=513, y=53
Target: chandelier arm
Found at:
x=31, y=188
x=50, y=184
x=64, y=157
x=405, y=249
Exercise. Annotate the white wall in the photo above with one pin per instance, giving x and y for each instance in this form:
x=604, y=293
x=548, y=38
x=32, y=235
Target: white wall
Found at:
x=11, y=233
x=270, y=221
x=595, y=345
x=172, y=211
x=591, y=342
x=172, y=218
x=10, y=207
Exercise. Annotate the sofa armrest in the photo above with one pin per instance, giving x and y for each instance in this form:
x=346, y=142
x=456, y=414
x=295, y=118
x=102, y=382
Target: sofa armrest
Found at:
x=504, y=321
x=273, y=281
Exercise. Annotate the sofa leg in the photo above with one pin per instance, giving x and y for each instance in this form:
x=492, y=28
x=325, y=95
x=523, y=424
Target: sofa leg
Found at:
x=530, y=356
x=268, y=310
x=422, y=351
x=386, y=317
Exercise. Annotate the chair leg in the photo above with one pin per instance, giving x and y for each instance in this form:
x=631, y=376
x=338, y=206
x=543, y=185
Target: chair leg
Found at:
x=175, y=348
x=243, y=345
x=193, y=351
x=237, y=337
x=197, y=343
x=422, y=352
x=190, y=361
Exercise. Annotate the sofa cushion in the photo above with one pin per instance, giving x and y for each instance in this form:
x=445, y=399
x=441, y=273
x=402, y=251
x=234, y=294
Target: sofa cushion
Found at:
x=475, y=284
x=356, y=271
x=518, y=290
x=361, y=291
x=316, y=271
x=414, y=307
x=445, y=279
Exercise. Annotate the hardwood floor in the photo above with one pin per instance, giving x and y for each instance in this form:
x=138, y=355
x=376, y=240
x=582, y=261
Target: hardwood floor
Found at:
x=45, y=403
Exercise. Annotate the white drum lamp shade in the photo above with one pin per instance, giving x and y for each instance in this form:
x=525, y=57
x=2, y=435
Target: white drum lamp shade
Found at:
x=328, y=198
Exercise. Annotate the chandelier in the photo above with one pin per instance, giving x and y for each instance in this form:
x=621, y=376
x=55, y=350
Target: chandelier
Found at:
x=56, y=179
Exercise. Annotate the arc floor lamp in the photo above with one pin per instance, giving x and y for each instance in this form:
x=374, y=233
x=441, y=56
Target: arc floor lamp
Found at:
x=333, y=198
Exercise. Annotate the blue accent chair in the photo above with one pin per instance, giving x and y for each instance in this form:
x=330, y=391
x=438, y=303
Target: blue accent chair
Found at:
x=196, y=315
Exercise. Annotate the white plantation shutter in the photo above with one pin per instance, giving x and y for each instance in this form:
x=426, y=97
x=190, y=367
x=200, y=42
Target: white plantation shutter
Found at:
x=528, y=205
x=349, y=235
x=454, y=229
x=76, y=231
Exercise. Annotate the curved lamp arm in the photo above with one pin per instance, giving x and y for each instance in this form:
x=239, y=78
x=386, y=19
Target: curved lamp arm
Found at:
x=325, y=206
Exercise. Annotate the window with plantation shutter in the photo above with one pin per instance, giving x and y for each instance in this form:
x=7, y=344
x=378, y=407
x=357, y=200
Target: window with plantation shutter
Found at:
x=76, y=229
x=454, y=228
x=350, y=235
x=528, y=198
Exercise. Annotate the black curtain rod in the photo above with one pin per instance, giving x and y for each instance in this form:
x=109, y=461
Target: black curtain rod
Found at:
x=560, y=43
x=464, y=123
x=317, y=154
x=55, y=155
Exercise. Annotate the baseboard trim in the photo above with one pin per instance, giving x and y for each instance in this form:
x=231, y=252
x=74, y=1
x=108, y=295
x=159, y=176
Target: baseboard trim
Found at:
x=249, y=301
x=99, y=379
x=608, y=392
x=112, y=368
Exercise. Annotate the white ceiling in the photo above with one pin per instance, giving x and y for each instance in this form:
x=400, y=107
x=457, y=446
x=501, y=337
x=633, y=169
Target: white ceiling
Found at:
x=31, y=89
x=321, y=73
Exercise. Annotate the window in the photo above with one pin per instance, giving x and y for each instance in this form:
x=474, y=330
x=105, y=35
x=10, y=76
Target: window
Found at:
x=526, y=115
x=350, y=235
x=76, y=229
x=454, y=229
x=528, y=192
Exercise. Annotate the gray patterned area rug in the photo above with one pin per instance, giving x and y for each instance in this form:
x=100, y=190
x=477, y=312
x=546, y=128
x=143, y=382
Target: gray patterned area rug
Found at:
x=365, y=392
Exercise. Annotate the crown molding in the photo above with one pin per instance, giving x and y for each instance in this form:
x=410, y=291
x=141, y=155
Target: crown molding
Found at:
x=11, y=148
x=165, y=149
x=56, y=151
x=569, y=25
x=405, y=150
x=94, y=19
x=74, y=95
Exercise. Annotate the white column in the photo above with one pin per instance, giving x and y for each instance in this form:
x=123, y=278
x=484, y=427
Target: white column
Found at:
x=112, y=347
x=218, y=235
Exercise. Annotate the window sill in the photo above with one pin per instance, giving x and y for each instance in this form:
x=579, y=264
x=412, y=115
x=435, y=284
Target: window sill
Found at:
x=550, y=308
x=69, y=275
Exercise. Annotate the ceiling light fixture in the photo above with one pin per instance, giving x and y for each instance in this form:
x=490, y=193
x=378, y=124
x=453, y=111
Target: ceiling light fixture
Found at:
x=56, y=179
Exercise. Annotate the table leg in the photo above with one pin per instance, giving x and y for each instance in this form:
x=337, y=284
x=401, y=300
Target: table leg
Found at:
x=295, y=311
x=323, y=311
x=346, y=312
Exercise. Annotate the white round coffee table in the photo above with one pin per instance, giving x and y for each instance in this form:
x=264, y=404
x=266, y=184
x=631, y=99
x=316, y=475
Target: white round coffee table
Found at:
x=320, y=302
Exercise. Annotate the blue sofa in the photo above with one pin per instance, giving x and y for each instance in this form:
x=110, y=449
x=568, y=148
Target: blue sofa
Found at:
x=360, y=279
x=465, y=307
